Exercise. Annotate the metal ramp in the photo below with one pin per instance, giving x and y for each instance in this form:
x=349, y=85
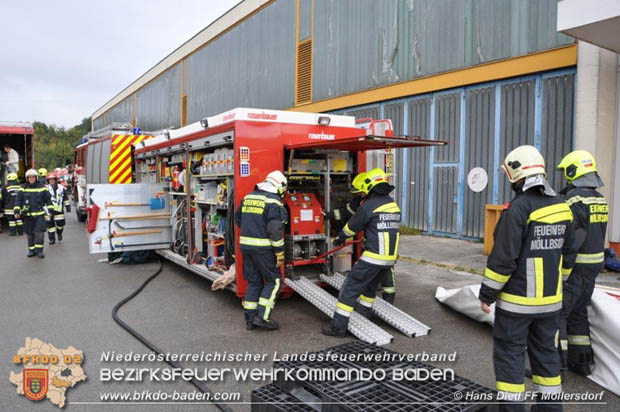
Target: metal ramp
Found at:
x=400, y=320
x=359, y=326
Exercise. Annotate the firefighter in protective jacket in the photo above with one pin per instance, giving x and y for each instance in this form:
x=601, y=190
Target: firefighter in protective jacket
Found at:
x=590, y=212
x=261, y=217
x=379, y=218
x=9, y=196
x=360, y=190
x=33, y=202
x=533, y=238
x=60, y=202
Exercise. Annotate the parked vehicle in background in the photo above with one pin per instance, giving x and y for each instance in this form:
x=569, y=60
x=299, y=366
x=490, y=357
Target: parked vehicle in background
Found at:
x=19, y=136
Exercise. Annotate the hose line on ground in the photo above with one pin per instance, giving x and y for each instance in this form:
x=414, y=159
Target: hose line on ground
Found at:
x=198, y=384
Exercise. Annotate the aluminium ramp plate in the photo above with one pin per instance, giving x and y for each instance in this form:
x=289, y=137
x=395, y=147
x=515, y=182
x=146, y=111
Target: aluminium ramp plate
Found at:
x=359, y=326
x=198, y=269
x=400, y=320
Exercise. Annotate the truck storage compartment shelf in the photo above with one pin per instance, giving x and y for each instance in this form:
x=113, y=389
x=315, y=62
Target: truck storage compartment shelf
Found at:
x=198, y=269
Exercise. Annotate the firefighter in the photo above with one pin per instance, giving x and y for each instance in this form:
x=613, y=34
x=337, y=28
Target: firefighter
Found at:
x=33, y=202
x=533, y=238
x=42, y=175
x=9, y=195
x=261, y=217
x=590, y=213
x=60, y=202
x=379, y=218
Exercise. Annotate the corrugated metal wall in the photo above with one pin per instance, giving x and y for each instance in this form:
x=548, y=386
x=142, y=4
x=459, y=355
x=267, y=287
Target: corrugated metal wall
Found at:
x=479, y=152
x=360, y=44
x=158, y=103
x=516, y=124
x=122, y=112
x=253, y=65
x=417, y=171
x=488, y=120
x=557, y=127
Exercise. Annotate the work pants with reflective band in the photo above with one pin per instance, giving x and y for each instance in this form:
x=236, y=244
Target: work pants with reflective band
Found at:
x=388, y=285
x=264, y=282
x=359, y=289
x=575, y=345
x=55, y=223
x=511, y=336
x=34, y=226
x=15, y=225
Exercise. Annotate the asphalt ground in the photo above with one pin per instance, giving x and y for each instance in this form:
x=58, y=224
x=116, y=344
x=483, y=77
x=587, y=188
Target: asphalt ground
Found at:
x=66, y=299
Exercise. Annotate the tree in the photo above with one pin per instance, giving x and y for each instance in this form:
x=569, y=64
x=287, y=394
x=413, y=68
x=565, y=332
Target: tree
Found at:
x=53, y=146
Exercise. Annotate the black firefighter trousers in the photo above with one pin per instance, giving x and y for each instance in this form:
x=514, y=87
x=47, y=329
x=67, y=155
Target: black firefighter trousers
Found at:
x=576, y=348
x=264, y=283
x=359, y=289
x=512, y=334
x=35, y=227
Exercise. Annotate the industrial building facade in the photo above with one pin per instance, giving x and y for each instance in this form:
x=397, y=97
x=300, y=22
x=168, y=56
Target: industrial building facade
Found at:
x=485, y=75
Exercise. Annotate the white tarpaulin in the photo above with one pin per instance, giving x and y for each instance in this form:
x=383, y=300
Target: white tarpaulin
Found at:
x=604, y=328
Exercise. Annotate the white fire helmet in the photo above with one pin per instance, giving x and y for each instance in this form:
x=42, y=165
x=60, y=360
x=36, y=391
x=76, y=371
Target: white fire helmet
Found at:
x=277, y=180
x=522, y=162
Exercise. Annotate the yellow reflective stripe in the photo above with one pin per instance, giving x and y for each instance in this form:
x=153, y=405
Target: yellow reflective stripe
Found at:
x=391, y=207
x=265, y=199
x=367, y=299
x=265, y=302
x=510, y=387
x=337, y=214
x=39, y=189
x=348, y=231
x=496, y=276
x=41, y=213
x=277, y=243
x=386, y=242
x=590, y=257
x=388, y=289
x=344, y=307
x=587, y=200
x=250, y=305
x=540, y=276
x=254, y=241
x=536, y=301
x=546, y=381
x=378, y=256
x=551, y=214
x=566, y=272
x=397, y=242
x=581, y=340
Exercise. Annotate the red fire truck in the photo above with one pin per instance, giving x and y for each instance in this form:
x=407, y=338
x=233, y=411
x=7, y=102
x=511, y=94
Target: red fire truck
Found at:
x=103, y=157
x=192, y=179
x=20, y=137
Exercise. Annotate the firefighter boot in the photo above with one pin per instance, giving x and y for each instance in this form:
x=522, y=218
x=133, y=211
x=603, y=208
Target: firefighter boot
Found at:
x=59, y=236
x=249, y=316
x=31, y=253
x=40, y=253
x=389, y=297
x=269, y=324
x=337, y=327
x=52, y=238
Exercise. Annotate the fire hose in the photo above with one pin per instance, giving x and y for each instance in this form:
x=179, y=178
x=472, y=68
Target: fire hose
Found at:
x=198, y=384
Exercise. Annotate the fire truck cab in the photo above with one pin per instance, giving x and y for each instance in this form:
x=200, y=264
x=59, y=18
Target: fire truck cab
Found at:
x=191, y=180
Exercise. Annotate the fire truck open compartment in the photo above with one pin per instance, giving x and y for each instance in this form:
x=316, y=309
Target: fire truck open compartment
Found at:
x=207, y=168
x=18, y=136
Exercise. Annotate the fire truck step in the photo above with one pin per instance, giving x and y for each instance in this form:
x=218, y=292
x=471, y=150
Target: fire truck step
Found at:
x=400, y=320
x=359, y=326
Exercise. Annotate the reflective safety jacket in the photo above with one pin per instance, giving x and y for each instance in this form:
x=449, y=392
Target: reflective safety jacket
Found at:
x=261, y=217
x=343, y=214
x=59, y=198
x=379, y=217
x=590, y=212
x=33, y=199
x=534, y=239
x=9, y=196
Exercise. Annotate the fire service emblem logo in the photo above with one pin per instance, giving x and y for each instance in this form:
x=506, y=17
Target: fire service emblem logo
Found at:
x=35, y=383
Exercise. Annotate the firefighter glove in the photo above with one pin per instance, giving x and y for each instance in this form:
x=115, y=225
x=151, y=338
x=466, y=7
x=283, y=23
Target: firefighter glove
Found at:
x=279, y=258
x=339, y=241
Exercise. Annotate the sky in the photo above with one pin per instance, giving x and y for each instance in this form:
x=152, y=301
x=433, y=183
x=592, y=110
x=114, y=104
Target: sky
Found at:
x=62, y=60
